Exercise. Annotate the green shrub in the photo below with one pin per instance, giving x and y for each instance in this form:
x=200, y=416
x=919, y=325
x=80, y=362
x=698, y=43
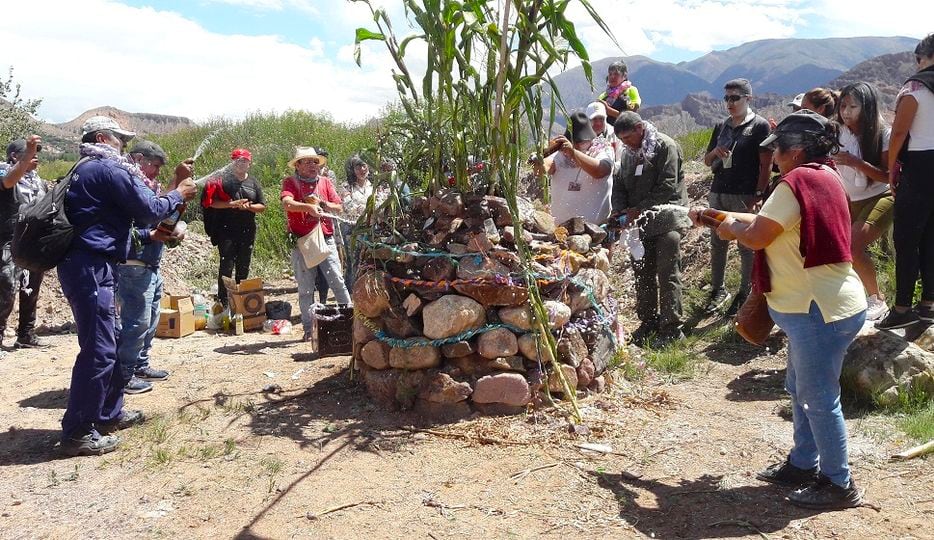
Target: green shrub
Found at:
x=695, y=143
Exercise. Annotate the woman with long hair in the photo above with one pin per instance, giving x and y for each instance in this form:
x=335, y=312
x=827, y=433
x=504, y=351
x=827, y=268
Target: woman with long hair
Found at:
x=862, y=162
x=802, y=238
x=911, y=175
x=820, y=100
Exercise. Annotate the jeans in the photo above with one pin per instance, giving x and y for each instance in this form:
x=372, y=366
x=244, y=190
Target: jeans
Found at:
x=658, y=280
x=719, y=248
x=96, y=392
x=15, y=281
x=139, y=289
x=236, y=253
x=815, y=357
x=306, y=278
x=914, y=228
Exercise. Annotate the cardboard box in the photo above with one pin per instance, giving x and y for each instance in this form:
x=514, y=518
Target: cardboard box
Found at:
x=176, y=318
x=246, y=298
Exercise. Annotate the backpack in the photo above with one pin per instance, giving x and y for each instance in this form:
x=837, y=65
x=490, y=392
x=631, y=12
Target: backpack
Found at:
x=42, y=234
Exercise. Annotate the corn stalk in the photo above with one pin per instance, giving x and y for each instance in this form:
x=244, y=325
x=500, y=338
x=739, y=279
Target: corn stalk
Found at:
x=481, y=95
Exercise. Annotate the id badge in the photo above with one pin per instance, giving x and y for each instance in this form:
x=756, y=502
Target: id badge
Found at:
x=639, y=170
x=574, y=185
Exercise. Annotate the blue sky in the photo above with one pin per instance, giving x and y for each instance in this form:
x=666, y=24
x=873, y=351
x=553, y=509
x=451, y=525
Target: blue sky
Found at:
x=209, y=58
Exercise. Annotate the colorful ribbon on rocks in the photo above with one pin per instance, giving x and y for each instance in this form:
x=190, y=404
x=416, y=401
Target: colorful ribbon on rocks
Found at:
x=409, y=343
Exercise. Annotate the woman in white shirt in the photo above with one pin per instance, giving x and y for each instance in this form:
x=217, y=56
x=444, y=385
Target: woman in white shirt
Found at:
x=911, y=175
x=861, y=161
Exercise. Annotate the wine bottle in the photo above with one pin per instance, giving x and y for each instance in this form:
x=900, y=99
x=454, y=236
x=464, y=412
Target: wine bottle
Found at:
x=711, y=217
x=167, y=225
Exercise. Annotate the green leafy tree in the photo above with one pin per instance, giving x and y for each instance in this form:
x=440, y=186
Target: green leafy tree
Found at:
x=17, y=115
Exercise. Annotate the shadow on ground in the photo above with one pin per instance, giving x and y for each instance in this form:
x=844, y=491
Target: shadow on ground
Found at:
x=50, y=399
x=758, y=385
x=658, y=510
x=255, y=348
x=28, y=446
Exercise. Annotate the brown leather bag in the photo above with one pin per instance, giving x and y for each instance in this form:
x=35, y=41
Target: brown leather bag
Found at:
x=753, y=320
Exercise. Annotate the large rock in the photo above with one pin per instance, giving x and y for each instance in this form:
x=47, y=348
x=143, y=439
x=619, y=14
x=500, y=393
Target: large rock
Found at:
x=376, y=354
x=450, y=315
x=361, y=332
x=878, y=365
x=479, y=266
x=528, y=346
x=370, y=296
x=543, y=222
x=472, y=365
x=507, y=388
x=494, y=294
x=602, y=349
x=508, y=363
x=554, y=382
x=558, y=313
x=381, y=386
x=451, y=204
x=496, y=343
x=439, y=269
x=519, y=316
x=400, y=325
x=600, y=260
x=415, y=357
x=571, y=348
x=592, y=280
x=585, y=373
x=441, y=388
x=579, y=243
x=457, y=350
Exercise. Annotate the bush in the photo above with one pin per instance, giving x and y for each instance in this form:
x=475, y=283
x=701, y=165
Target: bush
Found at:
x=695, y=143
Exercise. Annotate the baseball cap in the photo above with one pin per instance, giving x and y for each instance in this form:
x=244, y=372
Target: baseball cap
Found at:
x=241, y=153
x=796, y=102
x=596, y=109
x=99, y=123
x=150, y=150
x=803, y=121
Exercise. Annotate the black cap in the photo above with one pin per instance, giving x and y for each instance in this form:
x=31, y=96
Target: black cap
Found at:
x=150, y=150
x=579, y=129
x=16, y=147
x=322, y=151
x=803, y=121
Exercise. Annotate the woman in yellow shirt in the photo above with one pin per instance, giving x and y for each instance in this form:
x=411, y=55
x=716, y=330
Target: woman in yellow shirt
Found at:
x=804, y=268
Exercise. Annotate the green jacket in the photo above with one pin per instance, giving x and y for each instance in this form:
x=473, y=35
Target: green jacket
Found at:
x=661, y=182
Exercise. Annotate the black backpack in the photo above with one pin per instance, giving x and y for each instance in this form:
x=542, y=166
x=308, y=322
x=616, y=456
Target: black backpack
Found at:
x=42, y=234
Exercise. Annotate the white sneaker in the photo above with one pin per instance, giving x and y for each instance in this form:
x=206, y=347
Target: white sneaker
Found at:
x=877, y=308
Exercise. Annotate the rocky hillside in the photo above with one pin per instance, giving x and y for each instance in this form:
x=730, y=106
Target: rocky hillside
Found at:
x=64, y=137
x=886, y=72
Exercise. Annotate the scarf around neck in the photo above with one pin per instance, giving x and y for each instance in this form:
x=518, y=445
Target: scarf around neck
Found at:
x=104, y=151
x=613, y=92
x=649, y=141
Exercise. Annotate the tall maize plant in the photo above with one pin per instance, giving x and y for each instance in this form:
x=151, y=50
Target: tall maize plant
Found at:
x=486, y=66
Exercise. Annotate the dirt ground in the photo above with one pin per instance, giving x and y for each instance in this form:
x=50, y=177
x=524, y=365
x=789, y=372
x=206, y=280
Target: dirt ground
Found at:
x=252, y=437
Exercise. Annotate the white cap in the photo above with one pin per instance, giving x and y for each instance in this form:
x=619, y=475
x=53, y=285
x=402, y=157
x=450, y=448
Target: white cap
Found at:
x=98, y=123
x=796, y=102
x=596, y=109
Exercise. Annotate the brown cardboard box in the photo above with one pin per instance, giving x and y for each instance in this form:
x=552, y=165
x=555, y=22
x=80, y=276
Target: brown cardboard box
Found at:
x=247, y=299
x=178, y=319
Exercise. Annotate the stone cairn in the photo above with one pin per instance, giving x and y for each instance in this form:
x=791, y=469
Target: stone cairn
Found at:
x=442, y=319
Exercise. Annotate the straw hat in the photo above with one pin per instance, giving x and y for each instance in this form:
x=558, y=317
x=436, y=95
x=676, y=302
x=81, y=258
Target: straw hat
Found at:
x=304, y=152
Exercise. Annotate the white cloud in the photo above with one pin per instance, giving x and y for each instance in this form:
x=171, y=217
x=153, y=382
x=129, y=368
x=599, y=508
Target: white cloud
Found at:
x=306, y=6
x=100, y=52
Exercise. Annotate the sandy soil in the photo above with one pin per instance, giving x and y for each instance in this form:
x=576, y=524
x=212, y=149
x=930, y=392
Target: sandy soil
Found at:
x=225, y=454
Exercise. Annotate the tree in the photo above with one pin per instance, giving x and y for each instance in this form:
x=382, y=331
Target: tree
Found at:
x=17, y=115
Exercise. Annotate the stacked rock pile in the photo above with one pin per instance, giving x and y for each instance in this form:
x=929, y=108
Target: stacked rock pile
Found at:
x=443, y=321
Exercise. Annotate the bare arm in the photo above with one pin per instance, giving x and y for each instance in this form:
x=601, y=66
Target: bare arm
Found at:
x=16, y=173
x=289, y=204
x=751, y=230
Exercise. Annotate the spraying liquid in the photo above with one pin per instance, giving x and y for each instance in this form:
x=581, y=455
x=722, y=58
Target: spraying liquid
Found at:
x=630, y=239
x=205, y=143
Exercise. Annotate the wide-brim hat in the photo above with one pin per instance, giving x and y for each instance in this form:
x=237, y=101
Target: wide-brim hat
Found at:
x=579, y=128
x=803, y=121
x=304, y=152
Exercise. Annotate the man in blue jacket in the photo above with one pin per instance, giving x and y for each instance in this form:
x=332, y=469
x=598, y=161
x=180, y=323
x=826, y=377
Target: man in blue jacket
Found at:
x=139, y=284
x=106, y=196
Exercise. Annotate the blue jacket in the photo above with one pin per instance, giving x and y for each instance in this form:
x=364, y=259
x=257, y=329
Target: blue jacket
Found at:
x=102, y=203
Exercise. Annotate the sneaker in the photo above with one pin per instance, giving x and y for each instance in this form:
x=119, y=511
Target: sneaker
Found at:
x=150, y=374
x=786, y=474
x=823, y=494
x=925, y=313
x=137, y=386
x=717, y=298
x=30, y=341
x=127, y=419
x=898, y=320
x=668, y=334
x=877, y=308
x=90, y=444
x=736, y=304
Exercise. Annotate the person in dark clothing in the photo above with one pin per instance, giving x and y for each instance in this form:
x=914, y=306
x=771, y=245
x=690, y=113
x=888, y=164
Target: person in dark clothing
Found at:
x=741, y=172
x=105, y=197
x=233, y=200
x=649, y=175
x=19, y=186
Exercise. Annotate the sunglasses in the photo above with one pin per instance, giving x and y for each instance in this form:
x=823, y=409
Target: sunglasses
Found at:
x=732, y=98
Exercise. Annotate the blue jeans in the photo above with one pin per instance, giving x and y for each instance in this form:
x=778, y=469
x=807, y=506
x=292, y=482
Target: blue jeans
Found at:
x=139, y=289
x=305, y=278
x=815, y=357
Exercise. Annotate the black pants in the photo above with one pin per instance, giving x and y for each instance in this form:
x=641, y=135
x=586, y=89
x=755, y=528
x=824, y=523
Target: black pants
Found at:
x=11, y=283
x=236, y=254
x=914, y=228
x=658, y=280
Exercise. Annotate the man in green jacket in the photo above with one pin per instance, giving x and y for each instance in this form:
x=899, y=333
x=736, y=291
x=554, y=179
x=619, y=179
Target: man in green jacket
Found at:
x=649, y=178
